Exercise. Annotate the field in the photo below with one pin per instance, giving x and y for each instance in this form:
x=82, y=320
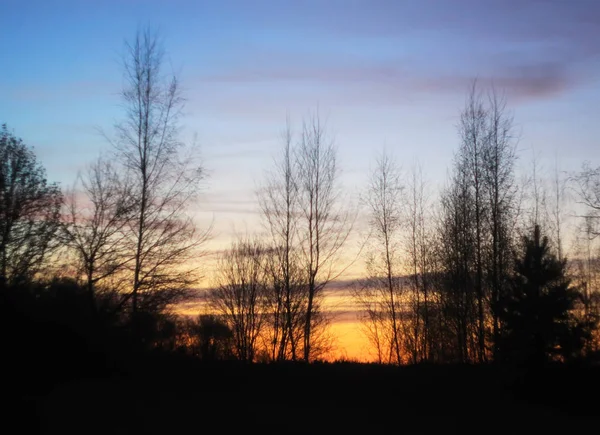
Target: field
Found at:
x=185, y=397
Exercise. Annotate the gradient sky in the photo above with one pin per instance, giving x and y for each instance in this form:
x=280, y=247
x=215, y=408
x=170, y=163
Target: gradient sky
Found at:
x=382, y=72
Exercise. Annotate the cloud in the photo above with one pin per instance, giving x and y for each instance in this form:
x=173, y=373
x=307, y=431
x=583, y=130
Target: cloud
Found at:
x=507, y=19
x=385, y=52
x=385, y=83
x=520, y=82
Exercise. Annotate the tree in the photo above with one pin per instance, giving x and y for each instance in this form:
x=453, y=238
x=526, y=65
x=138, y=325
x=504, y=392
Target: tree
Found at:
x=537, y=313
x=538, y=196
x=420, y=257
x=587, y=270
x=95, y=229
x=474, y=138
x=587, y=186
x=456, y=253
x=29, y=211
x=165, y=181
x=480, y=212
x=210, y=338
x=239, y=295
x=286, y=296
x=324, y=224
x=278, y=200
x=500, y=189
x=557, y=218
x=381, y=293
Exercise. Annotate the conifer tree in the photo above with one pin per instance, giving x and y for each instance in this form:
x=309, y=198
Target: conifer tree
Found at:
x=537, y=314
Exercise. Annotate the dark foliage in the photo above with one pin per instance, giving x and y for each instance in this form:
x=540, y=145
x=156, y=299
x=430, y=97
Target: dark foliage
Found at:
x=29, y=211
x=537, y=315
x=50, y=333
x=210, y=338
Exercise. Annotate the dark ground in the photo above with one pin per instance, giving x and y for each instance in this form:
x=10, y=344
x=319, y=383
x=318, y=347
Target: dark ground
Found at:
x=174, y=396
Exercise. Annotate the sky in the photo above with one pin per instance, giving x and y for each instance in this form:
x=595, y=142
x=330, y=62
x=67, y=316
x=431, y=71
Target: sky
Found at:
x=382, y=73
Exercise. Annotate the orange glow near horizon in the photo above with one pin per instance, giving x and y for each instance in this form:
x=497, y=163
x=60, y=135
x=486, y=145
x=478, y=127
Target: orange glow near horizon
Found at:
x=351, y=344
x=348, y=341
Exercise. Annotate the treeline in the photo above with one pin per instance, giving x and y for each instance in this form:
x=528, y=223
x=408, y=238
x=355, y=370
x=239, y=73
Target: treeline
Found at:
x=481, y=274
x=477, y=275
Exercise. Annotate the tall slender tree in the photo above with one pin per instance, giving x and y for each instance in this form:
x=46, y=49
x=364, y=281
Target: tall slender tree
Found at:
x=557, y=212
x=278, y=199
x=419, y=250
x=500, y=189
x=164, y=179
x=381, y=293
x=324, y=224
x=474, y=137
x=456, y=257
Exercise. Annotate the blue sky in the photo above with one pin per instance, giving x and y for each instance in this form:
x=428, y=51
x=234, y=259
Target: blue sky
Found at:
x=391, y=73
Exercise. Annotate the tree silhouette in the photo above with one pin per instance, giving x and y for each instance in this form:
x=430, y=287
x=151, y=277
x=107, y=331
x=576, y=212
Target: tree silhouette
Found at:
x=29, y=211
x=164, y=176
x=287, y=292
x=380, y=294
x=537, y=315
x=239, y=295
x=324, y=225
x=95, y=229
x=212, y=338
x=587, y=188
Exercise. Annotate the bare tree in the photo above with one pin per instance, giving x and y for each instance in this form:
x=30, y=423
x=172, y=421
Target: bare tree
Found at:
x=239, y=295
x=537, y=196
x=324, y=224
x=473, y=132
x=502, y=202
x=587, y=187
x=420, y=268
x=589, y=286
x=29, y=211
x=480, y=211
x=164, y=180
x=286, y=298
x=278, y=200
x=557, y=214
x=381, y=293
x=456, y=253
x=95, y=227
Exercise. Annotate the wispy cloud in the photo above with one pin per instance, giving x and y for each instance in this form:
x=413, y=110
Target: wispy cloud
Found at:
x=385, y=84
x=532, y=49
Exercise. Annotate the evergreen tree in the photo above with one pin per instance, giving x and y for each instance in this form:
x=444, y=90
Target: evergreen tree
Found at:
x=538, y=321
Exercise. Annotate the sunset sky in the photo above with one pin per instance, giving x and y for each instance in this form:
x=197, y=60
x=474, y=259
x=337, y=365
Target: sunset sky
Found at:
x=383, y=73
